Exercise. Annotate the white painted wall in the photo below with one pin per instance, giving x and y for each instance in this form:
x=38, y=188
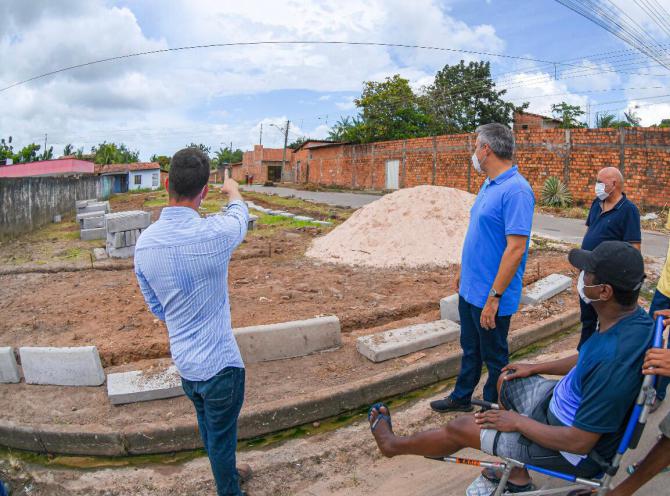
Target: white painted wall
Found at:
x=146, y=178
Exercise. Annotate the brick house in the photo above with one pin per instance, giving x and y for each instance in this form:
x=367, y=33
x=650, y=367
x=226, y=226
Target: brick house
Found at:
x=528, y=120
x=264, y=164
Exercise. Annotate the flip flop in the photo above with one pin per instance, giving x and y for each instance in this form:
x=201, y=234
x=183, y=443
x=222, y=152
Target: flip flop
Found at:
x=491, y=475
x=378, y=406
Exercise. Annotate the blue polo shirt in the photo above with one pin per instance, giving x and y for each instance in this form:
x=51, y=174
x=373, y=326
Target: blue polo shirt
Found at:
x=622, y=223
x=503, y=207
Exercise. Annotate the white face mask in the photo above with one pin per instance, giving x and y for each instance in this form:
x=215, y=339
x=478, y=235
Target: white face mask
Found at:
x=475, y=163
x=600, y=191
x=580, y=289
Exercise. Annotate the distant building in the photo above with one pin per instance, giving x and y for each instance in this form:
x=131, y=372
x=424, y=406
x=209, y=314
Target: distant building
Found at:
x=129, y=177
x=58, y=167
x=527, y=120
x=265, y=164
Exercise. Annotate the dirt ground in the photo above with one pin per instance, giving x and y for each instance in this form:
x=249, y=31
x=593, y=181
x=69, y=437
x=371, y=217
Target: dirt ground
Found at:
x=343, y=462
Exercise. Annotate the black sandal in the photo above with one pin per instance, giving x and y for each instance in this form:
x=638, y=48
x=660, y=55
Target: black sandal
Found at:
x=491, y=475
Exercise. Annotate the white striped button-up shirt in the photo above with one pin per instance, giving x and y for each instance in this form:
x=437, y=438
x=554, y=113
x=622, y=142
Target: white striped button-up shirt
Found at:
x=181, y=264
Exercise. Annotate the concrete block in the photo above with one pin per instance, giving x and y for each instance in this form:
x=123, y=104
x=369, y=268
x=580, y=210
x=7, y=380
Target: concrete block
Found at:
x=545, y=288
x=93, y=222
x=303, y=218
x=95, y=207
x=286, y=214
x=91, y=234
x=260, y=209
x=9, y=371
x=58, y=219
x=82, y=203
x=99, y=253
x=449, y=308
x=127, y=221
x=115, y=240
x=62, y=366
x=125, y=252
x=136, y=386
x=398, y=342
x=253, y=219
x=89, y=215
x=130, y=238
x=288, y=339
x=323, y=222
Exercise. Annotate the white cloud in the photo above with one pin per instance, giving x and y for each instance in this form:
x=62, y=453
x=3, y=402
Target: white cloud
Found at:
x=158, y=103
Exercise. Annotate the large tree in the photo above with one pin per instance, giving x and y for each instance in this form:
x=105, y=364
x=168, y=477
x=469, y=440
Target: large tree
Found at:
x=111, y=153
x=568, y=115
x=463, y=97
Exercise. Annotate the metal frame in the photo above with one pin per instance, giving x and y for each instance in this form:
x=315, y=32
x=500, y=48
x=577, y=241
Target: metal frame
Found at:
x=600, y=486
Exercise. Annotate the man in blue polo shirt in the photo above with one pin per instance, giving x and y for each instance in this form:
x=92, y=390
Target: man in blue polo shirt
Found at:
x=612, y=217
x=492, y=265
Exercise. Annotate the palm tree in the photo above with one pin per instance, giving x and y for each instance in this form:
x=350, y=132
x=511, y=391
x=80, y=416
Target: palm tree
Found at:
x=605, y=120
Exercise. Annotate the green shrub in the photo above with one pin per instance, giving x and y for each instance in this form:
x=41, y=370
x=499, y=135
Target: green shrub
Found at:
x=555, y=193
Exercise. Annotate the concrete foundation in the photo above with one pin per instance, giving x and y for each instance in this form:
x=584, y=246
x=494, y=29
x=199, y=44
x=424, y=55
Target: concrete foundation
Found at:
x=62, y=366
x=449, y=308
x=91, y=234
x=545, y=288
x=136, y=386
x=288, y=339
x=406, y=340
x=9, y=371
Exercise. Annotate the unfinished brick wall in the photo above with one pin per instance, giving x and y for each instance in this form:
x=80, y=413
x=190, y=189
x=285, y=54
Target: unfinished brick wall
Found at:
x=575, y=156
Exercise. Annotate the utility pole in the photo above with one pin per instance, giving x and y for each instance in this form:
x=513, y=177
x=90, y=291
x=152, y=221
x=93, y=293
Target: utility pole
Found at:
x=260, y=140
x=283, y=159
x=45, y=145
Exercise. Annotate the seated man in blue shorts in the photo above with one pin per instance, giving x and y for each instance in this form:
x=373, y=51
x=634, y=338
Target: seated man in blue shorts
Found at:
x=560, y=425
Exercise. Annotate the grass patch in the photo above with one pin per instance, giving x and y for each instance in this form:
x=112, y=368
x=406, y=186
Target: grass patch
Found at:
x=54, y=232
x=317, y=209
x=71, y=254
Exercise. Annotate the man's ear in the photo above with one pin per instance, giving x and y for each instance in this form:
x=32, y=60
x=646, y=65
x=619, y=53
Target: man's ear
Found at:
x=606, y=292
x=205, y=190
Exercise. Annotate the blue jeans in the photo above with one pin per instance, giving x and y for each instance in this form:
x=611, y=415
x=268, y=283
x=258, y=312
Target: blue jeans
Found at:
x=480, y=346
x=660, y=302
x=218, y=402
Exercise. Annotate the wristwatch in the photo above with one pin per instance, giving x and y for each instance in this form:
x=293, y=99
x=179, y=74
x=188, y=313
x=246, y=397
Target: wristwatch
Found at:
x=495, y=294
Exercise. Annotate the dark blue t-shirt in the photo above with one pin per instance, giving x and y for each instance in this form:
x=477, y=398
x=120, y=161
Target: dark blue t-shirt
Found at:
x=599, y=391
x=622, y=223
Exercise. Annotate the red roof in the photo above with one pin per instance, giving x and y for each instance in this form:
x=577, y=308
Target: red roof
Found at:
x=58, y=167
x=118, y=168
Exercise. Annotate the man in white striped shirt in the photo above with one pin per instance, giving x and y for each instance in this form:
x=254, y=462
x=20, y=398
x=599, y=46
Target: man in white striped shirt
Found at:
x=181, y=264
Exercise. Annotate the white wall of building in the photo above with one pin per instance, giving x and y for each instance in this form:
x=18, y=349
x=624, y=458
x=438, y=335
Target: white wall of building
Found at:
x=144, y=179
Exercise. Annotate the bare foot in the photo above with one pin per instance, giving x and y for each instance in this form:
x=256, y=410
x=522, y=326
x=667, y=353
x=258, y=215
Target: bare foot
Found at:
x=383, y=433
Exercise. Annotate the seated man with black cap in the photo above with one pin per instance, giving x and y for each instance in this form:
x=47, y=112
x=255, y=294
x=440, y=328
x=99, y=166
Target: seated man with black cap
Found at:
x=562, y=425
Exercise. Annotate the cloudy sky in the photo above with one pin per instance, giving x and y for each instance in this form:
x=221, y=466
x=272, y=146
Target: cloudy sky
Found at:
x=159, y=103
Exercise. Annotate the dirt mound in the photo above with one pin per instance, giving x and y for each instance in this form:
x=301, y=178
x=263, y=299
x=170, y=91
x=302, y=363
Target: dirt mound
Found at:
x=412, y=227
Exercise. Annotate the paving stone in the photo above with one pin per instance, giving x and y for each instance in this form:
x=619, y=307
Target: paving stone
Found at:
x=323, y=222
x=100, y=254
x=286, y=214
x=545, y=288
x=303, y=218
x=91, y=234
x=135, y=386
x=405, y=340
x=9, y=371
x=288, y=339
x=93, y=222
x=72, y=366
x=127, y=221
x=449, y=308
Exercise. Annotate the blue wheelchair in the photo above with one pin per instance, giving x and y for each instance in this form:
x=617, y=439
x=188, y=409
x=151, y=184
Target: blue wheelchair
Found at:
x=599, y=485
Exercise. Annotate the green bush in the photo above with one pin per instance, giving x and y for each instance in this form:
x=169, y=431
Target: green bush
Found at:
x=555, y=193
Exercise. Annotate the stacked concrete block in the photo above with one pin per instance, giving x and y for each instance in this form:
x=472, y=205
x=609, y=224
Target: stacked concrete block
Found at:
x=73, y=366
x=9, y=371
x=91, y=218
x=123, y=230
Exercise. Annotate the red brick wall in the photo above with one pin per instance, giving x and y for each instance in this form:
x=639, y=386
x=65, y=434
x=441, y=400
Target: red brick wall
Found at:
x=575, y=156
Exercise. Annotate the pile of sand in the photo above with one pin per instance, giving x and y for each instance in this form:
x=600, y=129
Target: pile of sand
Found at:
x=412, y=227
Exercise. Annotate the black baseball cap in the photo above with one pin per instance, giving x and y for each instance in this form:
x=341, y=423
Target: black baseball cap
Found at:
x=616, y=263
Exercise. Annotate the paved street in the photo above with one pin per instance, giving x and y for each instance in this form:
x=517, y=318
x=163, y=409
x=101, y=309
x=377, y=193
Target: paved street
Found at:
x=548, y=226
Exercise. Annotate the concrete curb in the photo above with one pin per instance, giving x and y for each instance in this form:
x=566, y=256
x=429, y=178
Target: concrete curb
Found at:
x=55, y=268
x=274, y=416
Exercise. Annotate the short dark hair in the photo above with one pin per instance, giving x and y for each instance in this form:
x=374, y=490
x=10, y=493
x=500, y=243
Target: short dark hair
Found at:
x=499, y=137
x=189, y=173
x=625, y=298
